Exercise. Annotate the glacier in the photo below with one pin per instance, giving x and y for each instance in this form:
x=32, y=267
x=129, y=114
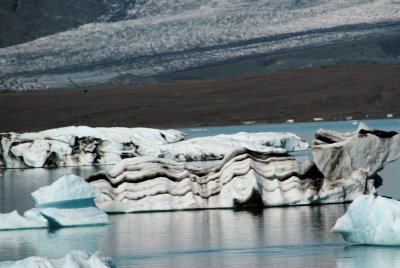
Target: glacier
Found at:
x=344, y=169
x=158, y=37
x=75, y=258
x=67, y=202
x=78, y=146
x=371, y=220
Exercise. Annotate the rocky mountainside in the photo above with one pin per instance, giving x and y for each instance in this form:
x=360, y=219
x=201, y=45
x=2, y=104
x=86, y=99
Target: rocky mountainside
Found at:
x=25, y=20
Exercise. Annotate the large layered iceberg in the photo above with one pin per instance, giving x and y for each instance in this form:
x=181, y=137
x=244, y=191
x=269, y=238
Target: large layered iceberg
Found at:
x=372, y=220
x=75, y=258
x=67, y=202
x=77, y=146
x=344, y=169
x=244, y=178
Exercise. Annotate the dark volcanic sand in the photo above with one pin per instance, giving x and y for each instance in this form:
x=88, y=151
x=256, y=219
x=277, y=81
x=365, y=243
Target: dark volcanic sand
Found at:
x=331, y=92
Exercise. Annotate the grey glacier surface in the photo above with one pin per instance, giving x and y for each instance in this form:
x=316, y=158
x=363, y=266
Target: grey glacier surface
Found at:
x=96, y=42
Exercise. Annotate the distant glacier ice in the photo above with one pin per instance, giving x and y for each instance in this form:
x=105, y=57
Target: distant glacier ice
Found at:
x=159, y=37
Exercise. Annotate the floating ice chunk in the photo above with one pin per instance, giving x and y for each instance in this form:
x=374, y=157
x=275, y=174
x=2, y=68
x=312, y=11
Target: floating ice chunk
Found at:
x=66, y=188
x=371, y=220
x=75, y=216
x=13, y=221
x=67, y=202
x=76, y=258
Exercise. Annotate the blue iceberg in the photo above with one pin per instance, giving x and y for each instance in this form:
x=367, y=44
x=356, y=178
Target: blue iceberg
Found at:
x=372, y=220
x=66, y=189
x=67, y=202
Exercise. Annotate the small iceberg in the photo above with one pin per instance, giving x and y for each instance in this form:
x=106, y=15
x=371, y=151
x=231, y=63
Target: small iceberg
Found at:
x=67, y=202
x=372, y=220
x=75, y=258
x=67, y=188
x=13, y=220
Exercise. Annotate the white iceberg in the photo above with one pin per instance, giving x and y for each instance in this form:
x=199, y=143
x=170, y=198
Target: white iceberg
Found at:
x=76, y=258
x=78, y=146
x=66, y=188
x=14, y=221
x=67, y=202
x=350, y=161
x=372, y=220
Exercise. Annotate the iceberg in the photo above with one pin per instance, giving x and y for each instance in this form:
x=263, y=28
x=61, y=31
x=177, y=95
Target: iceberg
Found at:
x=67, y=202
x=66, y=188
x=78, y=146
x=348, y=160
x=75, y=258
x=244, y=178
x=372, y=220
x=344, y=169
x=13, y=221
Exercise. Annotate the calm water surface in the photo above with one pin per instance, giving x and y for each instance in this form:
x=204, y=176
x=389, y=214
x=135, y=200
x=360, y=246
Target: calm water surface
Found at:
x=272, y=237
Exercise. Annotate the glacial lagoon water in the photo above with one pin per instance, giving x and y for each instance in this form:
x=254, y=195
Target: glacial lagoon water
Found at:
x=271, y=237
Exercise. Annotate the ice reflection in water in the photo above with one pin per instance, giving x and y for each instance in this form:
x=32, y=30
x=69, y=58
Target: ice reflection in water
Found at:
x=216, y=238
x=20, y=244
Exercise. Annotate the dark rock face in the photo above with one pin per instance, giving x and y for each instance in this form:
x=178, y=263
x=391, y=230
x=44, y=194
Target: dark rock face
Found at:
x=24, y=20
